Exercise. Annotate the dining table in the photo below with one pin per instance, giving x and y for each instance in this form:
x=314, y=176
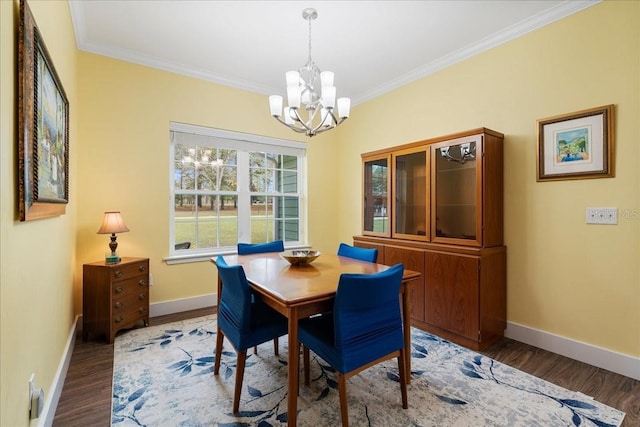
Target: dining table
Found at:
x=298, y=292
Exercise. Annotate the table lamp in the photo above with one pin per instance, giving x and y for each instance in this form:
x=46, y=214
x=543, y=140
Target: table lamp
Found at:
x=112, y=223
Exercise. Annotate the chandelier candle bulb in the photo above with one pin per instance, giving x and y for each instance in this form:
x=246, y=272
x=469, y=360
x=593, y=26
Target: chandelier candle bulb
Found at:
x=293, y=78
x=344, y=107
x=329, y=96
x=275, y=104
x=293, y=96
x=288, y=119
x=326, y=117
x=326, y=78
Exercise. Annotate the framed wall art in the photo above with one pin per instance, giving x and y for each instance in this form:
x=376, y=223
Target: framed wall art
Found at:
x=577, y=145
x=43, y=123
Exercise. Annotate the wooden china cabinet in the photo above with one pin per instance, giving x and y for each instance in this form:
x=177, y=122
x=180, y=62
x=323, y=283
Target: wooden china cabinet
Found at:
x=437, y=206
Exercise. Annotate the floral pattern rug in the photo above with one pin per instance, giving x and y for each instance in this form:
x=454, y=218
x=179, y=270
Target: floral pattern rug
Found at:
x=163, y=376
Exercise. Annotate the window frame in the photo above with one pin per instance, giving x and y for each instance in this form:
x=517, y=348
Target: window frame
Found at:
x=243, y=143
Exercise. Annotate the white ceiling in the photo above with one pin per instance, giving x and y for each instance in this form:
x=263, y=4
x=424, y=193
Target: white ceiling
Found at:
x=372, y=46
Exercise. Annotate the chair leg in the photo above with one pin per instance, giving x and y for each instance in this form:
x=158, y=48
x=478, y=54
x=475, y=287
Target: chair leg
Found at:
x=298, y=354
x=305, y=364
x=344, y=409
x=255, y=349
x=402, y=370
x=275, y=347
x=219, y=341
x=242, y=358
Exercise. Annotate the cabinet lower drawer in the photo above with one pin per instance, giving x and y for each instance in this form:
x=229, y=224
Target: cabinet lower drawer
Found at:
x=127, y=317
x=128, y=302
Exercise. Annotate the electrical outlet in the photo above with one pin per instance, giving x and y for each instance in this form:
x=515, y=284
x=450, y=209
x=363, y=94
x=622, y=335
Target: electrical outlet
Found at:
x=32, y=380
x=602, y=216
x=36, y=399
x=150, y=279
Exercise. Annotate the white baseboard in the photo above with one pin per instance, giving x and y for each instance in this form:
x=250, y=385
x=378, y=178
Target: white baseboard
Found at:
x=55, y=391
x=184, y=304
x=602, y=358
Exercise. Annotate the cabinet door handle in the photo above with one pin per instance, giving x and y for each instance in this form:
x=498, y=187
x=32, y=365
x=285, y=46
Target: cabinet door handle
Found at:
x=119, y=290
x=118, y=305
x=118, y=274
x=117, y=319
x=142, y=282
x=142, y=297
x=142, y=268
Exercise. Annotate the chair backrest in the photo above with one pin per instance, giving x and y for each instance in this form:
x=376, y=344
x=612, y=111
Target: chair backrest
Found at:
x=258, y=248
x=363, y=254
x=235, y=301
x=367, y=311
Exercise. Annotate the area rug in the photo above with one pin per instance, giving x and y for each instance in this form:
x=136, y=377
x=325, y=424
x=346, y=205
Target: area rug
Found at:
x=163, y=376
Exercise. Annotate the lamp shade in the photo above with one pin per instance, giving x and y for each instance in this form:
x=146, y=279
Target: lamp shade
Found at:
x=112, y=223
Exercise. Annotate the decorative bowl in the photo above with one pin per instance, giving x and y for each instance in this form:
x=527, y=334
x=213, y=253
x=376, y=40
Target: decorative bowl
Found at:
x=300, y=257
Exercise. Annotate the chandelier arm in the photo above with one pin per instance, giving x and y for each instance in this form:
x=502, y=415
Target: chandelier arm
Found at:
x=298, y=119
x=335, y=125
x=294, y=128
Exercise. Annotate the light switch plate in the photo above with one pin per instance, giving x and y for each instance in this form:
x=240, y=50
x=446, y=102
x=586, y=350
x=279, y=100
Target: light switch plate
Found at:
x=602, y=216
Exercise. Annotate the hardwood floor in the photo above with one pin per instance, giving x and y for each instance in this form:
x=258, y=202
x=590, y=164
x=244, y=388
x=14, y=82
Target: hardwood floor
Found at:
x=86, y=396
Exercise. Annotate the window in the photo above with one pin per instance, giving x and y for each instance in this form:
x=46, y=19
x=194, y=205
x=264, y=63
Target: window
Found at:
x=228, y=187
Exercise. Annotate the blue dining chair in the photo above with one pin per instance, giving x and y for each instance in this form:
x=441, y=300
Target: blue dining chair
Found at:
x=355, y=252
x=364, y=329
x=259, y=248
x=244, y=321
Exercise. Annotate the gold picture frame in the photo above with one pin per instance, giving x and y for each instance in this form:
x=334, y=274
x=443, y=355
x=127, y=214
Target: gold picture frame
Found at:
x=578, y=145
x=43, y=123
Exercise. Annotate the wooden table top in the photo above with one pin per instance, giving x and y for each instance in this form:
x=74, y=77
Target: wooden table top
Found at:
x=295, y=285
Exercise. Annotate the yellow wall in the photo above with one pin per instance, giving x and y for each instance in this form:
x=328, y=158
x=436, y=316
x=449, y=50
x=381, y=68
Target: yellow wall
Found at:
x=123, y=155
x=37, y=258
x=564, y=277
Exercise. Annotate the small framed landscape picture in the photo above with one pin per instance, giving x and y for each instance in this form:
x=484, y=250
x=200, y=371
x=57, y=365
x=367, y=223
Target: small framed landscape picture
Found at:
x=577, y=145
x=43, y=120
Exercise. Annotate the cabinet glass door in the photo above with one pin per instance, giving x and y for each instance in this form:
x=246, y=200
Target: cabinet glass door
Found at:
x=411, y=185
x=376, y=196
x=457, y=197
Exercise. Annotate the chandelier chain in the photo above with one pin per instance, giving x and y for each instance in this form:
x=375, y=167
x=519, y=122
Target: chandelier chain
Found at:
x=309, y=19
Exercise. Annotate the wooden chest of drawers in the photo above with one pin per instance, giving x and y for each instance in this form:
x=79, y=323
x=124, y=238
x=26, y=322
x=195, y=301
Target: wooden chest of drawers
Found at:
x=114, y=296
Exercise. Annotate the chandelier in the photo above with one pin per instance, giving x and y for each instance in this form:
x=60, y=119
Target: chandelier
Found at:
x=311, y=97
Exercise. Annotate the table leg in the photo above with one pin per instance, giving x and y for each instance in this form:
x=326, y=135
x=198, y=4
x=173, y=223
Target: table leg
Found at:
x=294, y=360
x=406, y=314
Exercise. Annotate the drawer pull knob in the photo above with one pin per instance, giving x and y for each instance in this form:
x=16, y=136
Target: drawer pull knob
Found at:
x=118, y=319
x=118, y=305
x=142, y=310
x=142, y=282
x=142, y=297
x=119, y=290
x=118, y=274
x=142, y=268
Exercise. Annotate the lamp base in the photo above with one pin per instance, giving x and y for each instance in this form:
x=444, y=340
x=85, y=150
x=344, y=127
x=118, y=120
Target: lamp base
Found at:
x=112, y=259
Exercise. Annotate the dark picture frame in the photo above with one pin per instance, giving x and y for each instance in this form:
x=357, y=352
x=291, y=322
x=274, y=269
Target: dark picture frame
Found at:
x=43, y=126
x=577, y=145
